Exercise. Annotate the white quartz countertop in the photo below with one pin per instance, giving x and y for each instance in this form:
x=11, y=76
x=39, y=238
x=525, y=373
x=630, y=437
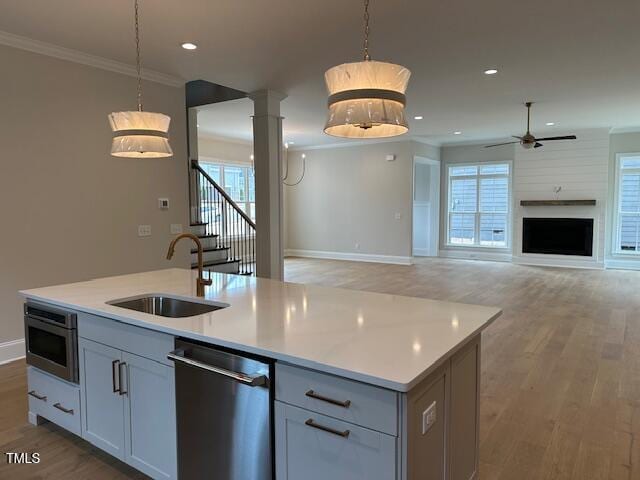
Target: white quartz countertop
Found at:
x=386, y=340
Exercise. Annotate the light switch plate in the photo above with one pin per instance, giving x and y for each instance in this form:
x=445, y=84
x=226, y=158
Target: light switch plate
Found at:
x=429, y=418
x=176, y=228
x=144, y=230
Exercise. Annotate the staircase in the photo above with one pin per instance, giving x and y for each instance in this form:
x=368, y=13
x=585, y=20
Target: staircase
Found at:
x=228, y=235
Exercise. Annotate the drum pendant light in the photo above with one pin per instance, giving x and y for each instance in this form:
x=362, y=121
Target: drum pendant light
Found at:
x=140, y=134
x=366, y=99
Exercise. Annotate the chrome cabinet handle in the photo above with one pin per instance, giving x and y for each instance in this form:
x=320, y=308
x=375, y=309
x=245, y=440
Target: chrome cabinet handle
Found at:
x=113, y=376
x=344, y=404
x=65, y=410
x=344, y=433
x=120, y=377
x=35, y=395
x=249, y=380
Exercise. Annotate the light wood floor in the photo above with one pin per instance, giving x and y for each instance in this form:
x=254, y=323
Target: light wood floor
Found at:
x=560, y=374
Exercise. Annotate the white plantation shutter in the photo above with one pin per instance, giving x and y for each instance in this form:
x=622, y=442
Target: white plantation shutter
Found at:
x=479, y=205
x=628, y=231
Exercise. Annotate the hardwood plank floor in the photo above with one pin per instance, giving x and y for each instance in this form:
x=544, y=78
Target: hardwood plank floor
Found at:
x=560, y=395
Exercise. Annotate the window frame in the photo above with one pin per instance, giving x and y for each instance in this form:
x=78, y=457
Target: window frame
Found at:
x=477, y=213
x=221, y=164
x=617, y=224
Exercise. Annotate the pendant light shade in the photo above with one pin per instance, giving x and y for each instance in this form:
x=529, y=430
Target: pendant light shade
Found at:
x=366, y=100
x=140, y=135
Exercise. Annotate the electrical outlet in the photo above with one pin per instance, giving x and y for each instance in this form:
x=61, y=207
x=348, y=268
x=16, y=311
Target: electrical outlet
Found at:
x=357, y=246
x=144, y=230
x=429, y=418
x=398, y=215
x=163, y=203
x=176, y=228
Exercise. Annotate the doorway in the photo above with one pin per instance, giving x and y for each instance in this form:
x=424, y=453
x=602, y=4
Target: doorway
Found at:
x=426, y=207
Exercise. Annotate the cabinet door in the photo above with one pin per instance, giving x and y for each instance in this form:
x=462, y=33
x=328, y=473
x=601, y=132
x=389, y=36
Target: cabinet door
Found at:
x=150, y=416
x=102, y=409
x=309, y=452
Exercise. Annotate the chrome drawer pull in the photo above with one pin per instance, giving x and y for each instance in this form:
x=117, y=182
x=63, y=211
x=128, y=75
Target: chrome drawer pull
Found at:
x=313, y=424
x=113, y=376
x=121, y=381
x=35, y=395
x=65, y=410
x=313, y=394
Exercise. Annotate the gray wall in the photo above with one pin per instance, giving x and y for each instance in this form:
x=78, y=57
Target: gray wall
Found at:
x=70, y=211
x=465, y=154
x=350, y=195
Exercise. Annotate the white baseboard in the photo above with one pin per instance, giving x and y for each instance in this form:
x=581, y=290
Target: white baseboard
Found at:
x=10, y=351
x=475, y=255
x=554, y=261
x=353, y=257
x=622, y=264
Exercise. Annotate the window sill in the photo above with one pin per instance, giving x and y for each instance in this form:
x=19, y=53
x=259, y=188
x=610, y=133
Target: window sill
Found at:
x=476, y=247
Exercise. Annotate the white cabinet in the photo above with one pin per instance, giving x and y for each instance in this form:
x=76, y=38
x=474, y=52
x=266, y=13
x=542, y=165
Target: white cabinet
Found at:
x=312, y=446
x=150, y=417
x=128, y=408
x=102, y=405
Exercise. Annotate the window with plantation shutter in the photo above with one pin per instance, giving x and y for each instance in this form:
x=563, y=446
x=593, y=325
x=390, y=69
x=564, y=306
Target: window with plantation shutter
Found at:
x=479, y=205
x=627, y=232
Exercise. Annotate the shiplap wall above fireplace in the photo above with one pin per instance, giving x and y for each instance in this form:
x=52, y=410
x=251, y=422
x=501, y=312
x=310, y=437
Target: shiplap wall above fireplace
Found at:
x=581, y=168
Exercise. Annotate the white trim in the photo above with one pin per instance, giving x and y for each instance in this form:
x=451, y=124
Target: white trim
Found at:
x=617, y=200
x=475, y=255
x=622, y=264
x=349, y=143
x=564, y=261
x=353, y=257
x=44, y=48
x=10, y=351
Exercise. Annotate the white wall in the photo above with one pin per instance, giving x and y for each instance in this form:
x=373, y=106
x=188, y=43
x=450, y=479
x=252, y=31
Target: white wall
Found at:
x=224, y=151
x=469, y=154
x=70, y=210
x=351, y=195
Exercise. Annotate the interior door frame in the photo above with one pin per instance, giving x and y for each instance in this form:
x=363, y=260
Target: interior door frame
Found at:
x=434, y=200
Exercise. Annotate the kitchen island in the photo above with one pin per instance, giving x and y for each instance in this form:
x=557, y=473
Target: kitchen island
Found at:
x=394, y=380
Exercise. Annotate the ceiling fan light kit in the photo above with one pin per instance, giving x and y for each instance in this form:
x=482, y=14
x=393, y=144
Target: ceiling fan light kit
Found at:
x=529, y=141
x=140, y=134
x=367, y=99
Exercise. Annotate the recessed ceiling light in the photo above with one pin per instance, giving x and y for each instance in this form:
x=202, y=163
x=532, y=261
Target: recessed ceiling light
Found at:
x=491, y=71
x=189, y=46
x=418, y=117
x=457, y=132
x=550, y=124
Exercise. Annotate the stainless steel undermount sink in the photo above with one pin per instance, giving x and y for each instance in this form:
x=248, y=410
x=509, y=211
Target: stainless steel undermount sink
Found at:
x=166, y=306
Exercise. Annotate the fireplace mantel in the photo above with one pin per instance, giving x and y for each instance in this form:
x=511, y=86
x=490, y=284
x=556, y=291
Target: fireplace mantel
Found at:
x=556, y=203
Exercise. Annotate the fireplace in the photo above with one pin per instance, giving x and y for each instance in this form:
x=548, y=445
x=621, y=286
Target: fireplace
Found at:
x=559, y=236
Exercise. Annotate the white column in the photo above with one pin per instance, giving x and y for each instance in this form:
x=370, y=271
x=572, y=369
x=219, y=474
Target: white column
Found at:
x=267, y=151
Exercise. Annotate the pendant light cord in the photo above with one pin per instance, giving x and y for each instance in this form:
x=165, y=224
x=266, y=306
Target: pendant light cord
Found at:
x=138, y=68
x=367, y=57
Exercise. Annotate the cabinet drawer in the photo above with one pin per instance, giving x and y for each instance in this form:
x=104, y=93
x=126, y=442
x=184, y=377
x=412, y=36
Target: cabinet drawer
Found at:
x=58, y=400
x=137, y=340
x=359, y=403
x=305, y=449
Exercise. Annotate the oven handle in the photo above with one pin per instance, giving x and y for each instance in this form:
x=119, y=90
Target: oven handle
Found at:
x=249, y=380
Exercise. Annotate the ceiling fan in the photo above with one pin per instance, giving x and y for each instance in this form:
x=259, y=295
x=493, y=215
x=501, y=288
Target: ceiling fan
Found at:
x=528, y=140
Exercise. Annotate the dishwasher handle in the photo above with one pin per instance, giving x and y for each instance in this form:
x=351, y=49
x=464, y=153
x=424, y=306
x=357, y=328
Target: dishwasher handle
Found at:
x=249, y=380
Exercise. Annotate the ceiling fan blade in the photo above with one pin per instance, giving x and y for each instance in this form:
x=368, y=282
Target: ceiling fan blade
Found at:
x=566, y=137
x=515, y=136
x=537, y=145
x=500, y=144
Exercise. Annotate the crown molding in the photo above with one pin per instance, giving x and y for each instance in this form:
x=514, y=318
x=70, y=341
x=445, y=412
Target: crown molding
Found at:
x=218, y=138
x=44, y=48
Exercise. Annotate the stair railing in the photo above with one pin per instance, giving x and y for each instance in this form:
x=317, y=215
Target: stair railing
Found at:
x=223, y=217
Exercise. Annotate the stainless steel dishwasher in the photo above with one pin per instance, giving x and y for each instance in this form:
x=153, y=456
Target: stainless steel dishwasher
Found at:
x=224, y=409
